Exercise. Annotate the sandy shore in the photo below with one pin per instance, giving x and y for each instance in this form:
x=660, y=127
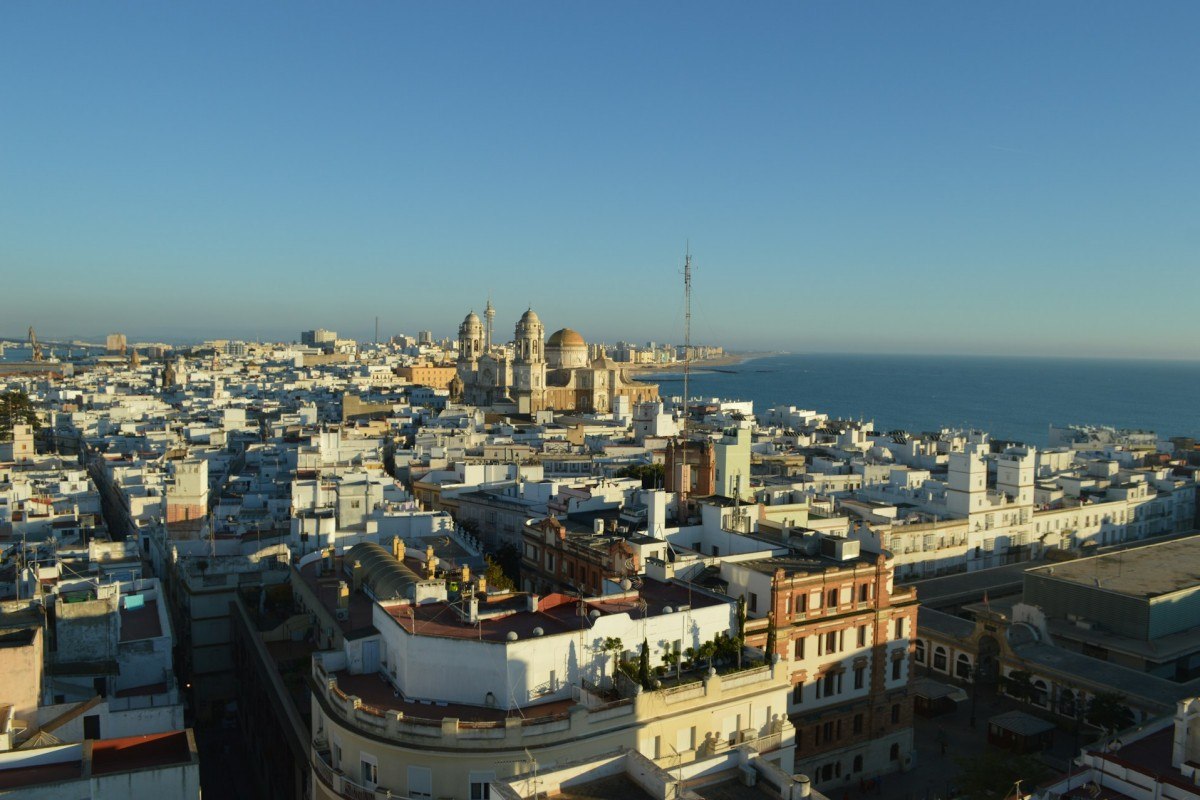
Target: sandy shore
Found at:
x=727, y=360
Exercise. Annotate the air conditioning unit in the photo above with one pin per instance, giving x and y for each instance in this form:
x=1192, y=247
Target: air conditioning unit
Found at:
x=342, y=614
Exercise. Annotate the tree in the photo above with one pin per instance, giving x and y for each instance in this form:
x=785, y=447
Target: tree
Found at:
x=651, y=475
x=1108, y=712
x=644, y=665
x=707, y=651
x=991, y=775
x=771, y=635
x=495, y=576
x=16, y=409
x=614, y=645
x=1019, y=684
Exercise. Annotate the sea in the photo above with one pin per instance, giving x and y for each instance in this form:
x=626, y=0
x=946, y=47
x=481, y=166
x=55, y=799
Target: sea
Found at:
x=1015, y=399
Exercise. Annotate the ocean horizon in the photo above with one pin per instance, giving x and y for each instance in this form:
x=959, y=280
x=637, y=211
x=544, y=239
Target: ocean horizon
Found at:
x=1014, y=398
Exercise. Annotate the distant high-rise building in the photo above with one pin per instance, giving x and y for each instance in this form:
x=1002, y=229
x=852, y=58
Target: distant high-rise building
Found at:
x=116, y=343
x=425, y=337
x=318, y=337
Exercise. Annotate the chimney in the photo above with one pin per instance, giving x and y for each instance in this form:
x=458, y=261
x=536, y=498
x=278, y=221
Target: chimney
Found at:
x=431, y=566
x=356, y=573
x=343, y=594
x=598, y=526
x=398, y=548
x=481, y=585
x=466, y=574
x=428, y=553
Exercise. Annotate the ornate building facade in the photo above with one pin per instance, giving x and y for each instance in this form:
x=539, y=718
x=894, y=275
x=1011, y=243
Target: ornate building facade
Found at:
x=538, y=373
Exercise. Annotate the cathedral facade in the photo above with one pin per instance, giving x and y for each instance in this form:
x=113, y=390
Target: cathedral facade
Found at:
x=537, y=373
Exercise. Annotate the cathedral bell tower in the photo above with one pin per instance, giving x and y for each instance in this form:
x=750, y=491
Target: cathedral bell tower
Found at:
x=529, y=369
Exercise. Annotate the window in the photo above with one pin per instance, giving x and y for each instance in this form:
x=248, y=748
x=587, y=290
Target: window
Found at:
x=859, y=675
x=939, y=658
x=858, y=728
x=801, y=603
x=858, y=763
x=830, y=683
x=863, y=589
x=862, y=635
x=787, y=607
x=798, y=694
x=799, y=647
x=833, y=598
x=894, y=754
x=899, y=629
x=370, y=773
x=896, y=712
x=896, y=665
x=920, y=654
x=420, y=783
x=753, y=602
x=831, y=642
x=962, y=666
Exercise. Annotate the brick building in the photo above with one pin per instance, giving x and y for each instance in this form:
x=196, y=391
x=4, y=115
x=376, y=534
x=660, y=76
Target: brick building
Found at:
x=560, y=555
x=847, y=632
x=690, y=467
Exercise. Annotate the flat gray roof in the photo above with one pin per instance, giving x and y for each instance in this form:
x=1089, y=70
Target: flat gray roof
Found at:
x=1149, y=571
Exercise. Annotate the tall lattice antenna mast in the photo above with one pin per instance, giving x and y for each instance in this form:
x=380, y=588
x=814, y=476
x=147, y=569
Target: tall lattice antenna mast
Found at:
x=687, y=330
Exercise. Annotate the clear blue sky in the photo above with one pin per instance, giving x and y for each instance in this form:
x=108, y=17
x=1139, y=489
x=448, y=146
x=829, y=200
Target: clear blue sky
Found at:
x=882, y=177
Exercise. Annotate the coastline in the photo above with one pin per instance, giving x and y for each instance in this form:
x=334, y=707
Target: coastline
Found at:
x=727, y=360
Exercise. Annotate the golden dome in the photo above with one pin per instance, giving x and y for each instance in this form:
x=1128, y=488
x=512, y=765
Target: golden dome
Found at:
x=566, y=338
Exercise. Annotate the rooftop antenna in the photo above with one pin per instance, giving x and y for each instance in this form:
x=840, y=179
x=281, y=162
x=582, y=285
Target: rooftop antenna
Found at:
x=687, y=329
x=376, y=330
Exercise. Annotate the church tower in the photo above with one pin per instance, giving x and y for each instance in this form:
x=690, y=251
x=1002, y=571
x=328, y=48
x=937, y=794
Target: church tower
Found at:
x=489, y=315
x=470, y=338
x=529, y=369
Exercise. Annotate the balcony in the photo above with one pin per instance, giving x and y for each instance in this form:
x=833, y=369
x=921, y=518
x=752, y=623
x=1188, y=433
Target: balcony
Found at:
x=366, y=703
x=339, y=784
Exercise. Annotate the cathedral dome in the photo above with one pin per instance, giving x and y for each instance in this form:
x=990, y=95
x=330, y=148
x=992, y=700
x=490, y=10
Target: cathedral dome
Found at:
x=530, y=317
x=566, y=349
x=566, y=338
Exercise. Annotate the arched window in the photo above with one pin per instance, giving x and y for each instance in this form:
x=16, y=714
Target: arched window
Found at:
x=858, y=763
x=962, y=666
x=920, y=651
x=1040, y=693
x=1066, y=703
x=939, y=658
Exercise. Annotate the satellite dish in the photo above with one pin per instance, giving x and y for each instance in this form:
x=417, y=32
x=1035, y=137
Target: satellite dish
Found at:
x=626, y=584
x=538, y=631
x=668, y=610
x=512, y=636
